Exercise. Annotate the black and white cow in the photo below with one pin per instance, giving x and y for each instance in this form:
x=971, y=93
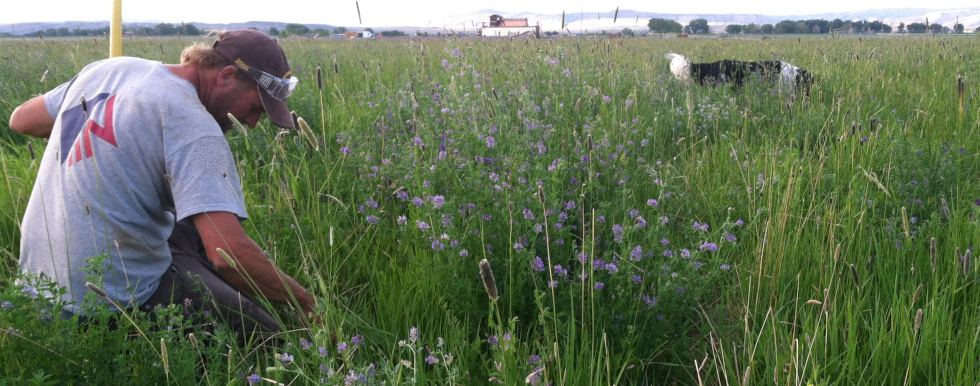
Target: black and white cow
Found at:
x=736, y=71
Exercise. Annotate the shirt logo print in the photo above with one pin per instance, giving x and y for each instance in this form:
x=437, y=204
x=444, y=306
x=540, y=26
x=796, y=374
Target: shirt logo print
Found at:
x=77, y=136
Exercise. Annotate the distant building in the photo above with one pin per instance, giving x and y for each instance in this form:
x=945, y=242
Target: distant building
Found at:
x=357, y=34
x=498, y=26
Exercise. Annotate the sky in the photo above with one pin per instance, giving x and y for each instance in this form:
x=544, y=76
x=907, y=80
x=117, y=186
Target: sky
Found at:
x=407, y=12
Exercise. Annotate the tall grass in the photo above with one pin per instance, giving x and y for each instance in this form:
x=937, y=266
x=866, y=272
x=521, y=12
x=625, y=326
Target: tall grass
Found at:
x=640, y=232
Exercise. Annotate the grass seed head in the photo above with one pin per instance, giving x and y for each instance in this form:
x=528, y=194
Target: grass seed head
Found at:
x=488, y=281
x=98, y=291
x=854, y=275
x=932, y=253
x=319, y=79
x=238, y=125
x=228, y=259
x=918, y=320
x=308, y=133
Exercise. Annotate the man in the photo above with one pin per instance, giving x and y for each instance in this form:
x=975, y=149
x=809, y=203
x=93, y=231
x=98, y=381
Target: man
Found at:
x=137, y=169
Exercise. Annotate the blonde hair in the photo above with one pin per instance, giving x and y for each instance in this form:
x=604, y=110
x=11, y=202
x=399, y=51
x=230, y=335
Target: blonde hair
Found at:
x=205, y=56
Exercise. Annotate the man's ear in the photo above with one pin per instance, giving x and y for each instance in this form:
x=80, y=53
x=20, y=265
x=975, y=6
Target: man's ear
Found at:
x=228, y=74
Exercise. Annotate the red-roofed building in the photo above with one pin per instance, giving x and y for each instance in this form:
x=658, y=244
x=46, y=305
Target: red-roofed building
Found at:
x=499, y=26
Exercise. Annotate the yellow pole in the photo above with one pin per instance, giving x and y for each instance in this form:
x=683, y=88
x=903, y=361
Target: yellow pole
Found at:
x=115, y=30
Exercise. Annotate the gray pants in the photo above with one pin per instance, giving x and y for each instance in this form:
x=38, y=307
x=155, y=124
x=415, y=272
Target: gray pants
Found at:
x=193, y=281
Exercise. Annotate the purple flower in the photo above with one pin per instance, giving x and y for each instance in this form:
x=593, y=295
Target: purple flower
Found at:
x=322, y=350
x=730, y=237
x=437, y=245
x=345, y=150
x=285, y=358
x=417, y=141
x=664, y=241
x=437, y=201
x=528, y=215
x=402, y=195
x=698, y=264
x=725, y=267
x=663, y=220
x=652, y=202
x=538, y=264
x=413, y=334
x=463, y=253
x=372, y=219
x=254, y=379
x=599, y=285
x=637, y=253
x=305, y=343
x=492, y=340
x=617, y=233
x=402, y=220
x=560, y=271
x=640, y=222
x=711, y=247
x=422, y=225
x=418, y=202
x=634, y=212
x=685, y=253
x=431, y=360
x=7, y=306
x=491, y=142
x=533, y=359
x=358, y=340
x=637, y=279
x=341, y=347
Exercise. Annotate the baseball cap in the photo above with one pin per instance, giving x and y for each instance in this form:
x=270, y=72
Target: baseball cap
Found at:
x=261, y=57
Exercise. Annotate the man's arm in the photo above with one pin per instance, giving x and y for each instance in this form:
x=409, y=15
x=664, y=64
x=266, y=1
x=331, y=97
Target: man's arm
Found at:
x=253, y=272
x=32, y=118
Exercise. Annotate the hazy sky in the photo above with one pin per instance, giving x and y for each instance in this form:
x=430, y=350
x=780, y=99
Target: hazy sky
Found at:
x=407, y=12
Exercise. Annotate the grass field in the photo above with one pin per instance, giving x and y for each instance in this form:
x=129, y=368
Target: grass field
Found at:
x=639, y=231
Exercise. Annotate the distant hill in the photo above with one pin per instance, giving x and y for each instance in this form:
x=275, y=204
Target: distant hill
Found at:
x=580, y=21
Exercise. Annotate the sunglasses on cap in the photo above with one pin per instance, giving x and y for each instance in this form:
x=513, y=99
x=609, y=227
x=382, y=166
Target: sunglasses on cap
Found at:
x=277, y=87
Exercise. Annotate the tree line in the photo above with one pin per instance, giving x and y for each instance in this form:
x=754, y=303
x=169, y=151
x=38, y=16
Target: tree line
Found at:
x=812, y=26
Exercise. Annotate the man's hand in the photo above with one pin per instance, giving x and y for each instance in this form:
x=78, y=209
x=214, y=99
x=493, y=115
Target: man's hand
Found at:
x=247, y=268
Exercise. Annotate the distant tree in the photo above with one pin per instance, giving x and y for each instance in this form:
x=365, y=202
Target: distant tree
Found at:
x=733, y=28
x=296, y=29
x=664, y=26
x=958, y=28
x=339, y=30
x=627, y=32
x=766, y=28
x=916, y=28
x=785, y=27
x=751, y=28
x=937, y=28
x=697, y=26
x=836, y=24
x=392, y=33
x=165, y=29
x=321, y=32
x=901, y=28
x=190, y=30
x=273, y=31
x=369, y=29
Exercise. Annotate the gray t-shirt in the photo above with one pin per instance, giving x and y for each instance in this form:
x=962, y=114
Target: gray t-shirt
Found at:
x=115, y=178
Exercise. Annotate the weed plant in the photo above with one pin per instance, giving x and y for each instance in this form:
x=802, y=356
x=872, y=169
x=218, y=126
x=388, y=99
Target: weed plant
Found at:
x=639, y=231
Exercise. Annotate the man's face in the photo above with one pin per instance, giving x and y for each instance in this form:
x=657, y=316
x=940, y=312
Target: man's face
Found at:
x=238, y=97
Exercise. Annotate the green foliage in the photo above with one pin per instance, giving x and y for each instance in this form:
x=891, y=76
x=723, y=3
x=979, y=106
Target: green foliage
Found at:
x=697, y=26
x=804, y=254
x=664, y=25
